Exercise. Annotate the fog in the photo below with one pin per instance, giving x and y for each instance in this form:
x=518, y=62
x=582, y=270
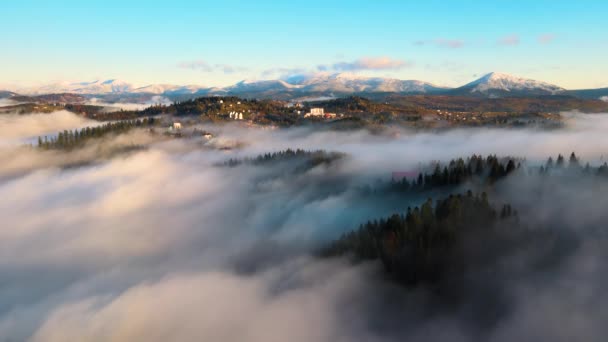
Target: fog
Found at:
x=115, y=106
x=162, y=244
x=15, y=127
x=8, y=102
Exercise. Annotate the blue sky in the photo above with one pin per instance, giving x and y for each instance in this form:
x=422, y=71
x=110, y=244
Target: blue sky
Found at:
x=221, y=42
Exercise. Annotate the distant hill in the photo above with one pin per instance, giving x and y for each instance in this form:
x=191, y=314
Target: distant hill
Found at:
x=590, y=93
x=539, y=104
x=5, y=94
x=51, y=98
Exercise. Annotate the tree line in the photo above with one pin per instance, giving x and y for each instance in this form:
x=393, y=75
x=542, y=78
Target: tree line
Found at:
x=70, y=139
x=314, y=158
x=423, y=244
x=485, y=170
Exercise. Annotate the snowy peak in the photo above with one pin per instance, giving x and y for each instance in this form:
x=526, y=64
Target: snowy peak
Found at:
x=496, y=82
x=260, y=86
x=93, y=87
x=352, y=83
x=110, y=86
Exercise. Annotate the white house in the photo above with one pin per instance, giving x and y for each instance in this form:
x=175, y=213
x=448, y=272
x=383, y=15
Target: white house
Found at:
x=315, y=112
x=177, y=125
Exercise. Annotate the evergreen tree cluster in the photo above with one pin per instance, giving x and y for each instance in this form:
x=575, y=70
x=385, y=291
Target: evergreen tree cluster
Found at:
x=70, y=139
x=418, y=246
x=458, y=171
x=209, y=106
x=313, y=158
x=559, y=165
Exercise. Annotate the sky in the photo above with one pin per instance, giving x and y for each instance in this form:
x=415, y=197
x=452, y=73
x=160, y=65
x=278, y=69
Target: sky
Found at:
x=218, y=43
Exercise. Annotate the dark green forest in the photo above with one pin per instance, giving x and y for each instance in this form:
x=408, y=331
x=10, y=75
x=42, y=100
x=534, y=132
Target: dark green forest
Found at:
x=71, y=139
x=456, y=234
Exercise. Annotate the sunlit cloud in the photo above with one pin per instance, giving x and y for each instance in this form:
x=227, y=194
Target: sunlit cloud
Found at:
x=204, y=66
x=510, y=40
x=367, y=63
x=441, y=42
x=546, y=38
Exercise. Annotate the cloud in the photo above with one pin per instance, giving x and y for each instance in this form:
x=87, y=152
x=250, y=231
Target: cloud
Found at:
x=441, y=42
x=115, y=106
x=546, y=38
x=367, y=63
x=14, y=126
x=510, y=40
x=8, y=102
x=204, y=66
x=450, y=43
x=162, y=244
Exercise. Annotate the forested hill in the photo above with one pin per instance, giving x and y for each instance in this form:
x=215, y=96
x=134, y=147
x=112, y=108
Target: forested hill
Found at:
x=210, y=107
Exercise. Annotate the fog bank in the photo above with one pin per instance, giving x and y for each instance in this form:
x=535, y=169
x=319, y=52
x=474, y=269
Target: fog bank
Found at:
x=162, y=244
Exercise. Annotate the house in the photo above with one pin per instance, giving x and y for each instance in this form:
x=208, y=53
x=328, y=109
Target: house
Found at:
x=207, y=135
x=177, y=126
x=315, y=112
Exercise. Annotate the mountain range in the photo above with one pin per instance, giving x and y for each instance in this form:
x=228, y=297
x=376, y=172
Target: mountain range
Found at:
x=492, y=85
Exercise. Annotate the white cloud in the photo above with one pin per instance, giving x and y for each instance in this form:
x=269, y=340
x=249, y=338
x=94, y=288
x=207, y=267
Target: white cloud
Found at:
x=442, y=42
x=546, y=38
x=510, y=40
x=368, y=63
x=162, y=245
x=204, y=66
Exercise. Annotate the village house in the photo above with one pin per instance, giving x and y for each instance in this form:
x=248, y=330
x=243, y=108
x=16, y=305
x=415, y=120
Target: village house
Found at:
x=315, y=112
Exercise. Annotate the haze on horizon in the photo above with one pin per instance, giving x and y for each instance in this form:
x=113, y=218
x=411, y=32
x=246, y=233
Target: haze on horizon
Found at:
x=446, y=43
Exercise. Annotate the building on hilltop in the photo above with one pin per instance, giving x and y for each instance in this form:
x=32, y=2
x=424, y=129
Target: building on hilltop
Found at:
x=315, y=112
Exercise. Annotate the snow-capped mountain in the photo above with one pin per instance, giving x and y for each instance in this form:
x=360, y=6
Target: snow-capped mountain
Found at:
x=351, y=83
x=247, y=86
x=339, y=83
x=314, y=84
x=94, y=87
x=500, y=84
x=104, y=87
x=161, y=88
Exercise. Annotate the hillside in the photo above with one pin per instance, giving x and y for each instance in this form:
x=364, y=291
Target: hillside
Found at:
x=51, y=98
x=538, y=104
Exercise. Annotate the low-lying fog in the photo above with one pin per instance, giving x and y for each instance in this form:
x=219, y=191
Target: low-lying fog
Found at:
x=17, y=129
x=162, y=245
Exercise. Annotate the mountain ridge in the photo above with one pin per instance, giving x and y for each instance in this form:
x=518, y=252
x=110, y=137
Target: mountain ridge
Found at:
x=493, y=84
